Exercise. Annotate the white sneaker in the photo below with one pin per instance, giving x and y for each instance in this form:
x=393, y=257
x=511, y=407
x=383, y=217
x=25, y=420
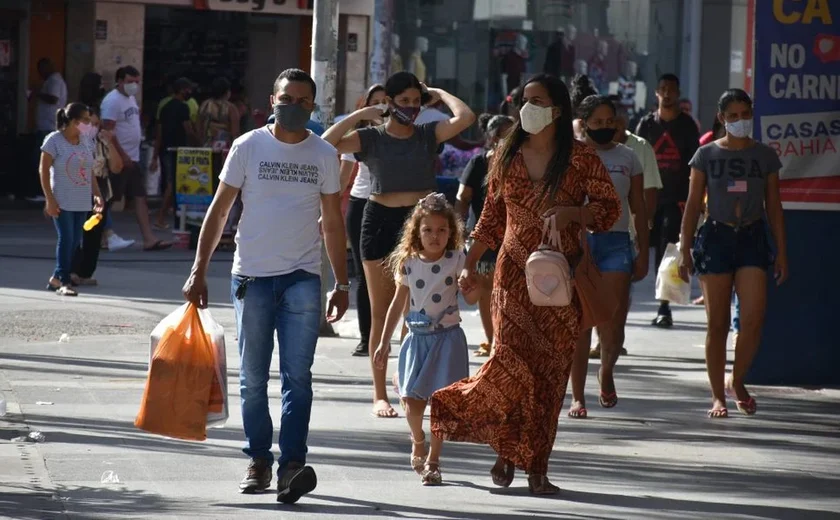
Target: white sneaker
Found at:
x=115, y=243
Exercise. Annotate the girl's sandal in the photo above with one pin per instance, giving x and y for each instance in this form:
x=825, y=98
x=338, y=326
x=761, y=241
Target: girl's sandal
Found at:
x=503, y=478
x=539, y=485
x=483, y=350
x=65, y=290
x=431, y=474
x=419, y=462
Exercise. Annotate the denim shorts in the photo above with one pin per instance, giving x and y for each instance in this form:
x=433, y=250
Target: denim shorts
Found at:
x=721, y=249
x=612, y=251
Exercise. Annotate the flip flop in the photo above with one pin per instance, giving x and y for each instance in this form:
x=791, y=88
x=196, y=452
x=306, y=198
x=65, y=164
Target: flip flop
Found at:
x=604, y=399
x=160, y=245
x=162, y=227
x=579, y=413
x=720, y=413
x=747, y=407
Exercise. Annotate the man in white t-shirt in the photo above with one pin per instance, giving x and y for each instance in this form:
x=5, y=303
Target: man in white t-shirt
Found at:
x=121, y=114
x=288, y=177
x=51, y=97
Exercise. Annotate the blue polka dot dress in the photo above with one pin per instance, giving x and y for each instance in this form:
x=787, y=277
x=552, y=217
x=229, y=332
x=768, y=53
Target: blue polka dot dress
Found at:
x=434, y=354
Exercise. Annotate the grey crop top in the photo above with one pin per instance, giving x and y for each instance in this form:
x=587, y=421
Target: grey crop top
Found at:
x=733, y=176
x=399, y=164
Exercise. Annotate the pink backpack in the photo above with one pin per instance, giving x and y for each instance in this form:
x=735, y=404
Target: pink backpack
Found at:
x=547, y=272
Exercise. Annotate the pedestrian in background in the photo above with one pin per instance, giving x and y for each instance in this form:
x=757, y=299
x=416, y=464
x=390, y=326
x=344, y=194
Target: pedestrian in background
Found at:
x=472, y=192
x=66, y=165
x=106, y=160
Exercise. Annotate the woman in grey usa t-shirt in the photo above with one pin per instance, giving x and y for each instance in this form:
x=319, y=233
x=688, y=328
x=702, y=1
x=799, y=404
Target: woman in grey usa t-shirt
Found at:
x=732, y=250
x=401, y=158
x=66, y=172
x=613, y=250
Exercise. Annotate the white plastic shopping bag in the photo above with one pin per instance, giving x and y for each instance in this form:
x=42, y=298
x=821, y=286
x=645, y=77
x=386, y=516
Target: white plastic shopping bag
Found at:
x=669, y=286
x=215, y=419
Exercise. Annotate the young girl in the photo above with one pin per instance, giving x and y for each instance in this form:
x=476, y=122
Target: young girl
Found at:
x=65, y=172
x=428, y=260
x=732, y=249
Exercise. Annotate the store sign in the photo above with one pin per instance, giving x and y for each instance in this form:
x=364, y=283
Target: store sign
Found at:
x=260, y=6
x=194, y=182
x=797, y=97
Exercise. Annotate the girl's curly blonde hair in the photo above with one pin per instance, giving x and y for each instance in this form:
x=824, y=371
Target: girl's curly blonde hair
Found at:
x=410, y=244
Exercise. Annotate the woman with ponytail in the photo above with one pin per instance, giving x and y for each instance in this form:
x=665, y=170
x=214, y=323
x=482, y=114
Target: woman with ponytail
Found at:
x=67, y=160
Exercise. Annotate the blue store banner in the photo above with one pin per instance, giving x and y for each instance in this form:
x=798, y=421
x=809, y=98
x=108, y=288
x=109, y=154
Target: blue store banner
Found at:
x=797, y=97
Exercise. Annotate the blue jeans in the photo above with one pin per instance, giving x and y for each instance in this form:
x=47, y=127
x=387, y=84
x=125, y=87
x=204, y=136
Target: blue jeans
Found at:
x=290, y=306
x=68, y=225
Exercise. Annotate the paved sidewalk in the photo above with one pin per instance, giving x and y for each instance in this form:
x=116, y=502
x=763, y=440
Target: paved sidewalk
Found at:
x=655, y=456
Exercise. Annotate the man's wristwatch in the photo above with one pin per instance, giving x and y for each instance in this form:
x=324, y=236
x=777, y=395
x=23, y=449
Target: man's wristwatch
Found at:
x=342, y=287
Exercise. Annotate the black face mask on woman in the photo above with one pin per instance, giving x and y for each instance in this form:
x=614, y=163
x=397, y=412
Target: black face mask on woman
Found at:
x=601, y=135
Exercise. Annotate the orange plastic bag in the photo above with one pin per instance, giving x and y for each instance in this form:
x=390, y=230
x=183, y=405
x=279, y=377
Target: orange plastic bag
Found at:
x=180, y=381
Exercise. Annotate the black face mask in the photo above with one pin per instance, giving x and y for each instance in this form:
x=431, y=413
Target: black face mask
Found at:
x=601, y=135
x=291, y=117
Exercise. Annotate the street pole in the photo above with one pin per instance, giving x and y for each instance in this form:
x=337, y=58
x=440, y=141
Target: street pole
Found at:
x=380, y=58
x=324, y=57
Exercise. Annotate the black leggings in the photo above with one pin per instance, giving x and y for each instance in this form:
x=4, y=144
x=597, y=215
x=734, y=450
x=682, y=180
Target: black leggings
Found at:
x=355, y=212
x=87, y=256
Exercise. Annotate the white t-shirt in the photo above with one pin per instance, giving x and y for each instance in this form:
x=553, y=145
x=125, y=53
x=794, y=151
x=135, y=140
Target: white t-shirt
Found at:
x=123, y=110
x=434, y=286
x=281, y=188
x=45, y=112
x=361, y=184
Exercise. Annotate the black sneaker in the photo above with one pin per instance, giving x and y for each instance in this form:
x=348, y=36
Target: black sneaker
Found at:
x=257, y=478
x=361, y=350
x=296, y=481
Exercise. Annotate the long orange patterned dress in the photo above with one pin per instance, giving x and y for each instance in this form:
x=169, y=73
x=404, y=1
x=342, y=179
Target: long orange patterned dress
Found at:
x=514, y=400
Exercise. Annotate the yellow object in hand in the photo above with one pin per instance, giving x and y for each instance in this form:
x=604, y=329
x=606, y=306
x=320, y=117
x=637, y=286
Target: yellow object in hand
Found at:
x=92, y=222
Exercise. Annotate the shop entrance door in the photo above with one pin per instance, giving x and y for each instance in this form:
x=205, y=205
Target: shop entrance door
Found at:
x=10, y=160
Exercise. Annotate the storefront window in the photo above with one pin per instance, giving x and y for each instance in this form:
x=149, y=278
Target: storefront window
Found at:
x=482, y=49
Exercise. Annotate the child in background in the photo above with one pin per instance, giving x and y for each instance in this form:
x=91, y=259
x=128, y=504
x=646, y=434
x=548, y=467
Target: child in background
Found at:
x=427, y=260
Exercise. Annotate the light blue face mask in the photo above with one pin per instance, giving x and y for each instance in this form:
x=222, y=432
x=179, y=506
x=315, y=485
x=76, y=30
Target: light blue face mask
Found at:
x=740, y=128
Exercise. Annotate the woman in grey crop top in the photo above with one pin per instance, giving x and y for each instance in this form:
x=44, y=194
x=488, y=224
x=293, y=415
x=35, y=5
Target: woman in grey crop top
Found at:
x=732, y=249
x=401, y=158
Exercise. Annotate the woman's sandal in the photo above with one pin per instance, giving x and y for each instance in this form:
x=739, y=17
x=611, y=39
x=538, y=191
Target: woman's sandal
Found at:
x=419, y=462
x=483, y=350
x=578, y=412
x=53, y=287
x=747, y=407
x=604, y=399
x=503, y=479
x=539, y=485
x=718, y=413
x=431, y=474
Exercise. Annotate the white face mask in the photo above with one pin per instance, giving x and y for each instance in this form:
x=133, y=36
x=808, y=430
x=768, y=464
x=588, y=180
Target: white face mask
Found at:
x=87, y=129
x=741, y=128
x=535, y=118
x=131, y=89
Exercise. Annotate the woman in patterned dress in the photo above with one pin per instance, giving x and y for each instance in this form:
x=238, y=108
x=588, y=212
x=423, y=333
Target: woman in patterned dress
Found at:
x=514, y=400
